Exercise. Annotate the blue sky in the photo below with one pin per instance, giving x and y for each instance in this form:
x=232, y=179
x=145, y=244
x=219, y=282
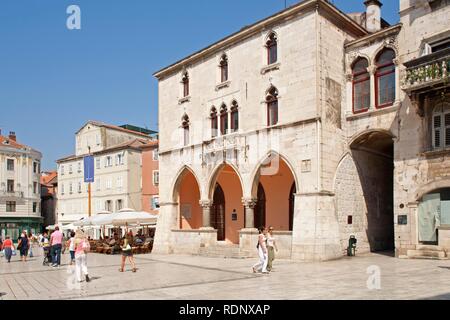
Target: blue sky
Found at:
x=52, y=80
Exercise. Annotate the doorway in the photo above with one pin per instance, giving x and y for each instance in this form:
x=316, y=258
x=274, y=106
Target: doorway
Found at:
x=218, y=212
x=260, y=208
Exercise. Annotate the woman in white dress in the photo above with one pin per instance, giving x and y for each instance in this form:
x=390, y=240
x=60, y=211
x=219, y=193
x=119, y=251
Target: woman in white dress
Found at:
x=261, y=265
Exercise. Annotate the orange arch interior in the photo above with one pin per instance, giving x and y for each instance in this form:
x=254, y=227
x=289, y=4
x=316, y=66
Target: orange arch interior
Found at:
x=277, y=180
x=189, y=202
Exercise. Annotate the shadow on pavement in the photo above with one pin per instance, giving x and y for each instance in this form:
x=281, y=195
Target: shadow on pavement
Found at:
x=445, y=296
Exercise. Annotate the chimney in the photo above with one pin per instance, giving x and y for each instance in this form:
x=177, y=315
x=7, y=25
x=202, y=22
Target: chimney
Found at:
x=373, y=15
x=12, y=136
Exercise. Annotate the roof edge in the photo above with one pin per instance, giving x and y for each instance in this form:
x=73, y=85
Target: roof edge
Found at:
x=253, y=28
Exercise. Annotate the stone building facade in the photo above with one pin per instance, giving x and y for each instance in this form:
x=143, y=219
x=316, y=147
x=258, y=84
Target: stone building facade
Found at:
x=298, y=121
x=118, y=172
x=20, y=191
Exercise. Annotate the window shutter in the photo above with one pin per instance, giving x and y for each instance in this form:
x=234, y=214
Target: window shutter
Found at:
x=447, y=130
x=437, y=131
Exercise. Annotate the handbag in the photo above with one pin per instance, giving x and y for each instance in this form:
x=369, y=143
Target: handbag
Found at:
x=127, y=248
x=13, y=252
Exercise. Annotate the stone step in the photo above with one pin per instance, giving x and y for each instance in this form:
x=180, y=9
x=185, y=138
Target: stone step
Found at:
x=426, y=254
x=429, y=247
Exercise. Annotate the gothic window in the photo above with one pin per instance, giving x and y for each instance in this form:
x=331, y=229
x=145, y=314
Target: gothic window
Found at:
x=272, y=106
x=185, y=82
x=223, y=120
x=272, y=48
x=234, y=116
x=224, y=68
x=385, y=78
x=214, y=122
x=361, y=86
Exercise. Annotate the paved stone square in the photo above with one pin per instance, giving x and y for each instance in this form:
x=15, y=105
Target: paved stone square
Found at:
x=202, y=278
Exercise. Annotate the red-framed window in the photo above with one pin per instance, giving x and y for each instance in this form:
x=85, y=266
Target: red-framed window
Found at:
x=214, y=123
x=272, y=49
x=361, y=86
x=224, y=68
x=272, y=107
x=185, y=125
x=385, y=79
x=234, y=116
x=223, y=120
x=185, y=82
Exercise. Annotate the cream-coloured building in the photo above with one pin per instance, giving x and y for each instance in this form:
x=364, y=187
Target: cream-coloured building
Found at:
x=304, y=121
x=117, y=166
x=20, y=191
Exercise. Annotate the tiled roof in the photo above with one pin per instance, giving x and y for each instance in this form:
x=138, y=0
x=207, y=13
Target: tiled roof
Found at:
x=47, y=177
x=150, y=144
x=132, y=144
x=5, y=141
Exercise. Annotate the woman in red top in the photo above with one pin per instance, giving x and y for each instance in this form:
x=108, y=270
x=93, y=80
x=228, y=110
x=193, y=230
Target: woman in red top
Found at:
x=8, y=246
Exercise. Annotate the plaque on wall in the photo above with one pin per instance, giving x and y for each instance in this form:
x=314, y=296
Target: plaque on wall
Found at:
x=234, y=216
x=402, y=219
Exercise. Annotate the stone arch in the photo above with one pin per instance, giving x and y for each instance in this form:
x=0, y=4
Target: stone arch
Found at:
x=209, y=191
x=255, y=174
x=175, y=186
x=275, y=175
x=227, y=215
x=432, y=186
x=382, y=47
x=268, y=34
x=372, y=152
x=360, y=135
x=354, y=59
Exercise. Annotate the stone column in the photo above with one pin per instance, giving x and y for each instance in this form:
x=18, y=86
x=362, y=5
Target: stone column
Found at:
x=397, y=80
x=206, y=206
x=249, y=205
x=372, y=70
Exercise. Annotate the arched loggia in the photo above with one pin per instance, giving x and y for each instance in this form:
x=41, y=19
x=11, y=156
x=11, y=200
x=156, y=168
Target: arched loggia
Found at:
x=227, y=212
x=186, y=193
x=273, y=189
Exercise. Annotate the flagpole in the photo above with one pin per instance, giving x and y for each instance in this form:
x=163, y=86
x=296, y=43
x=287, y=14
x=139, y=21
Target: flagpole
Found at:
x=89, y=199
x=89, y=193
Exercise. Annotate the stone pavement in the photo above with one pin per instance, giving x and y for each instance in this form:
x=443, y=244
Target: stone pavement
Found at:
x=202, y=278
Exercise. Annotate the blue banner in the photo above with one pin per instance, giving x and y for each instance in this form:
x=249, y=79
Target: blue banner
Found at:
x=89, y=169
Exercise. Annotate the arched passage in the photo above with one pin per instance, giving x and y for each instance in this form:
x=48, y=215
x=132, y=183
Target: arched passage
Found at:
x=227, y=214
x=187, y=195
x=373, y=154
x=274, y=188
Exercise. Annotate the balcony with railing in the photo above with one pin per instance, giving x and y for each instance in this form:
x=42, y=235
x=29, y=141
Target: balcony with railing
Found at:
x=430, y=72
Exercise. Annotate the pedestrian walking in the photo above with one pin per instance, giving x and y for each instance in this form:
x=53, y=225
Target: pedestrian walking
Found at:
x=56, y=244
x=30, y=242
x=8, y=246
x=72, y=247
x=23, y=246
x=271, y=247
x=261, y=265
x=127, y=251
x=82, y=248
